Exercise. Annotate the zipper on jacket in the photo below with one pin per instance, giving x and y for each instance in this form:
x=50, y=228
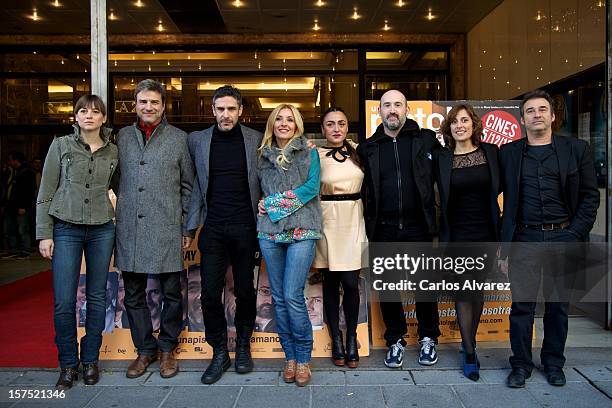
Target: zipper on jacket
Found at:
x=399, y=184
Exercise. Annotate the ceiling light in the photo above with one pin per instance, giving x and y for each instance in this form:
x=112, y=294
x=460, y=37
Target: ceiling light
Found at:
x=237, y=3
x=316, y=26
x=62, y=62
x=199, y=67
x=400, y=3
x=139, y=3
x=556, y=28
x=56, y=3
x=115, y=62
x=386, y=27
x=355, y=15
x=539, y=16
x=112, y=16
x=160, y=27
x=429, y=15
x=601, y=3
x=34, y=15
x=78, y=57
x=320, y=3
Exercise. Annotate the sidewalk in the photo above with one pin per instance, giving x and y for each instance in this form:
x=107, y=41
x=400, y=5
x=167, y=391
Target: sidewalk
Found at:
x=588, y=371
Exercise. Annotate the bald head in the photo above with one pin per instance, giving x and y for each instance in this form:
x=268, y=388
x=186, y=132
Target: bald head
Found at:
x=393, y=110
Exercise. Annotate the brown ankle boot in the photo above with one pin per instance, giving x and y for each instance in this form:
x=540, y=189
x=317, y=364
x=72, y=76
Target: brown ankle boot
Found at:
x=302, y=374
x=289, y=371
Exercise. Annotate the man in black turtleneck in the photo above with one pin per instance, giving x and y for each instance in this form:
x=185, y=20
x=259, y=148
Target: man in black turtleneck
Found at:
x=400, y=207
x=224, y=200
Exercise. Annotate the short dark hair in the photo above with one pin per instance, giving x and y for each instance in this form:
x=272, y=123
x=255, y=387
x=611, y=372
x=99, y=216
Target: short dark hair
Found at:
x=537, y=93
x=87, y=101
x=150, y=85
x=19, y=156
x=227, y=90
x=451, y=116
x=330, y=110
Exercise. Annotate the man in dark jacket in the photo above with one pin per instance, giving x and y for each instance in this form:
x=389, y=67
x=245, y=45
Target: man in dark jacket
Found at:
x=224, y=200
x=19, y=199
x=550, y=196
x=398, y=167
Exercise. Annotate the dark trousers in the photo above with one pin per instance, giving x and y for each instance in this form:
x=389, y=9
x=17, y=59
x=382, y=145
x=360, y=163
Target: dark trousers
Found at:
x=350, y=299
x=221, y=246
x=393, y=312
x=528, y=265
x=139, y=314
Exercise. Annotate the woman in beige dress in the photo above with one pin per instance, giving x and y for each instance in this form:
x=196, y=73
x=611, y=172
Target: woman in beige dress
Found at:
x=339, y=250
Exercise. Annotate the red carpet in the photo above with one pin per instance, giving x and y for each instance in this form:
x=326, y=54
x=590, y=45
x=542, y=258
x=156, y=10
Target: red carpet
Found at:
x=26, y=323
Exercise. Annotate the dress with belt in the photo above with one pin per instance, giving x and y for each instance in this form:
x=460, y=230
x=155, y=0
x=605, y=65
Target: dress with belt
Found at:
x=343, y=235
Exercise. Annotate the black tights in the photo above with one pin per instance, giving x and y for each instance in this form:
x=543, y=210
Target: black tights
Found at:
x=468, y=317
x=350, y=299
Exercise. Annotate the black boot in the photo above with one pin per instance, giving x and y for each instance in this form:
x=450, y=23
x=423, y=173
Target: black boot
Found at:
x=338, y=353
x=218, y=365
x=243, y=360
x=67, y=378
x=352, y=352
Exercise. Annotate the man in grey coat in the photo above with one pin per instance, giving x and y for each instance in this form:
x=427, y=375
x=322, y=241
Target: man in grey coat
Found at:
x=154, y=191
x=224, y=199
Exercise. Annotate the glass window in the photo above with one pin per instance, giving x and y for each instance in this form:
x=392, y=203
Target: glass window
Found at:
x=37, y=101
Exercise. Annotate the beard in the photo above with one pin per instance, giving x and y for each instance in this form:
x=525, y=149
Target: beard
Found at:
x=265, y=311
x=393, y=125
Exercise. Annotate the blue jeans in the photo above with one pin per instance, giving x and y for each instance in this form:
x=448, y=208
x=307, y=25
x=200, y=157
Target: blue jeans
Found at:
x=70, y=240
x=288, y=266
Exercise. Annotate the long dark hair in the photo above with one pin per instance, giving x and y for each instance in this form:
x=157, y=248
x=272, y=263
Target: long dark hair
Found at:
x=353, y=156
x=452, y=116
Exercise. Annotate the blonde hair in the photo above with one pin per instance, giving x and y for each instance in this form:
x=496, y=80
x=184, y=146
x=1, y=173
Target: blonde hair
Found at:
x=268, y=137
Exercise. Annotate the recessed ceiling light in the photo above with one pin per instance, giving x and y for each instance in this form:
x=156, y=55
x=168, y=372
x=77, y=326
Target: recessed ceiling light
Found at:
x=539, y=16
x=34, y=16
x=400, y=3
x=429, y=15
x=386, y=27
x=355, y=15
x=139, y=3
x=160, y=27
x=316, y=26
x=112, y=16
x=320, y=3
x=237, y=3
x=56, y=3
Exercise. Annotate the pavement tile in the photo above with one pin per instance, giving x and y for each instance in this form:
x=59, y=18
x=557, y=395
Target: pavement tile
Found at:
x=117, y=377
x=254, y=378
x=575, y=395
x=420, y=396
x=266, y=397
x=197, y=397
x=182, y=378
x=596, y=373
x=537, y=376
x=7, y=376
x=347, y=397
x=605, y=387
x=132, y=397
x=37, y=378
x=75, y=397
x=448, y=377
x=320, y=378
x=484, y=395
x=378, y=378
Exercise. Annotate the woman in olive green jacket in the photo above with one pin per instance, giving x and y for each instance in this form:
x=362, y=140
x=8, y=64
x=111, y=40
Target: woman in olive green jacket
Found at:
x=74, y=215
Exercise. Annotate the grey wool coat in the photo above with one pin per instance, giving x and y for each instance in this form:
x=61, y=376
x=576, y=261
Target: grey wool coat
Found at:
x=199, y=147
x=155, y=186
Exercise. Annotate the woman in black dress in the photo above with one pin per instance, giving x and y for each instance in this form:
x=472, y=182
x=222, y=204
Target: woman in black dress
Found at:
x=467, y=176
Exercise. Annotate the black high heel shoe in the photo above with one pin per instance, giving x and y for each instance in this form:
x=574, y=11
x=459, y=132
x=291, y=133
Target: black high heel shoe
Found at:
x=352, y=353
x=338, y=352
